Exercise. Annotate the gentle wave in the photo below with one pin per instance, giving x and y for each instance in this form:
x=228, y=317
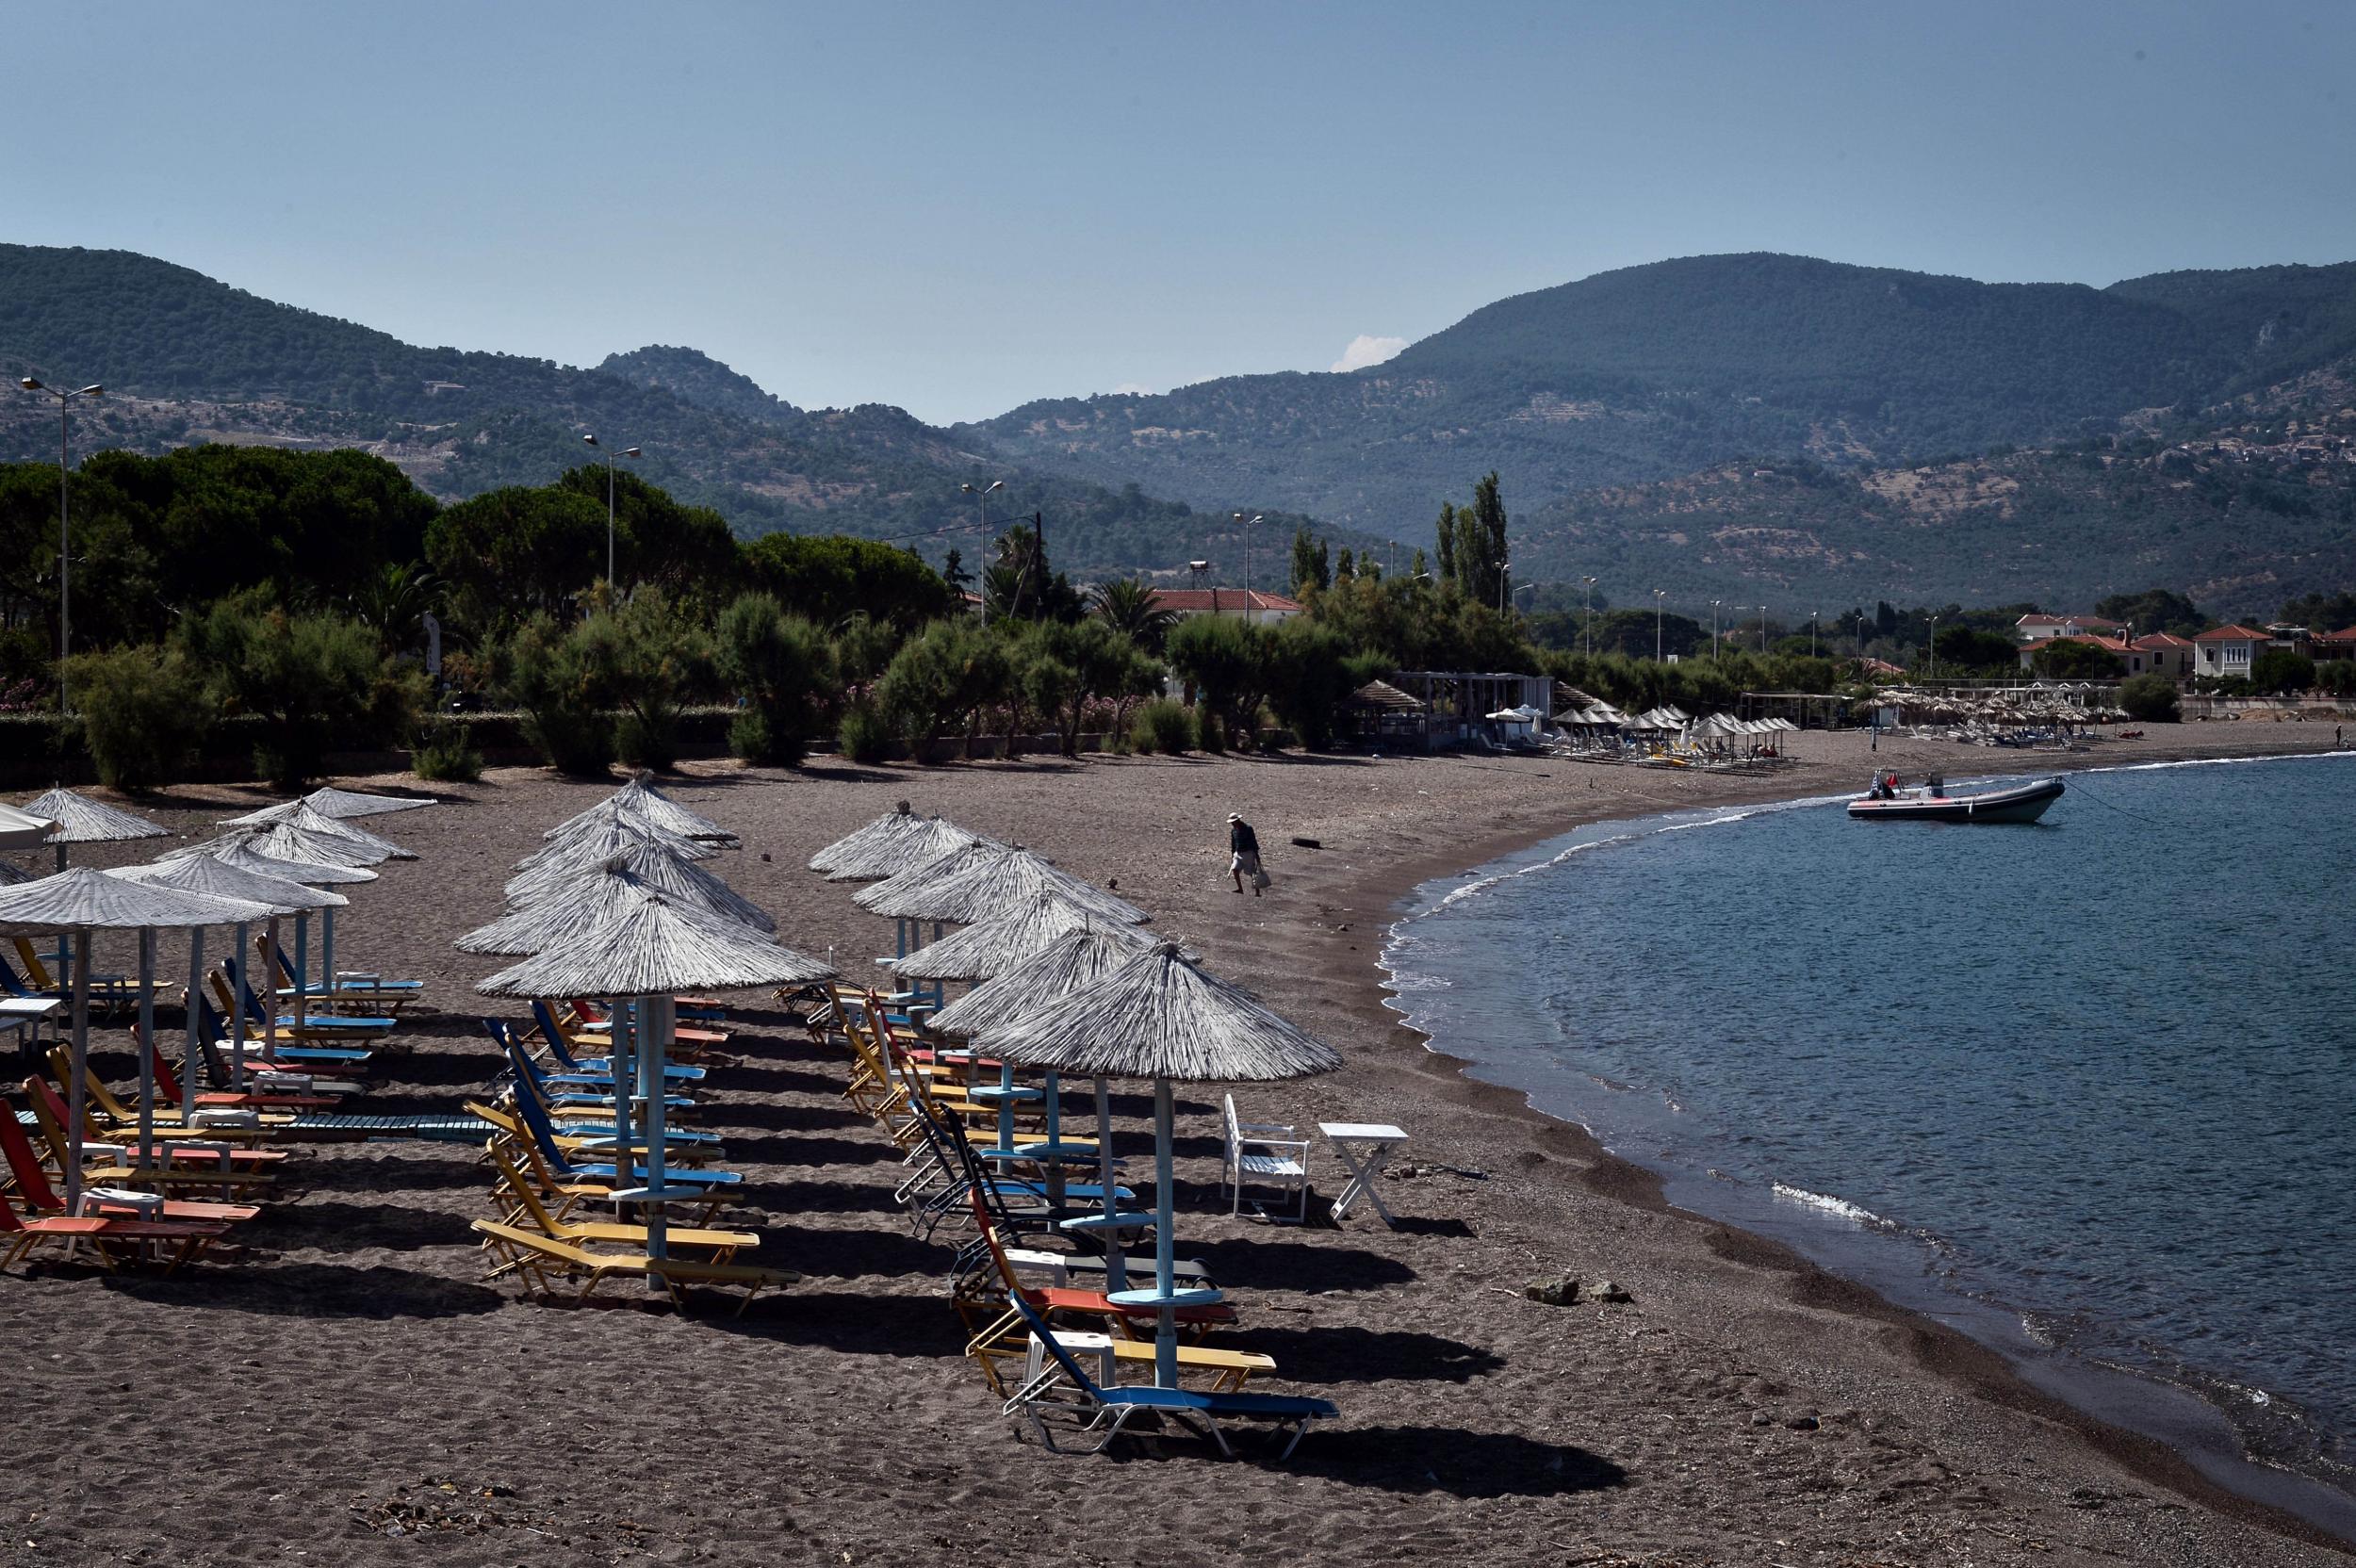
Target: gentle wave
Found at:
x=1838, y=1207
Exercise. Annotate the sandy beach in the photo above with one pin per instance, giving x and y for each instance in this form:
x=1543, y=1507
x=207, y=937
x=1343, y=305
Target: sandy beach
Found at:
x=353, y=1385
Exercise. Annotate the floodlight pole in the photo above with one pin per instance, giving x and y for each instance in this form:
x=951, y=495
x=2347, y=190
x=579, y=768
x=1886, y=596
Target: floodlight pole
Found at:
x=981, y=494
x=627, y=451
x=65, y=574
x=1658, y=595
x=1588, y=599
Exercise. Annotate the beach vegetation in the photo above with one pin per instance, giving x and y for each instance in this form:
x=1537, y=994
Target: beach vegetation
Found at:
x=2149, y=699
x=940, y=680
x=2069, y=659
x=830, y=578
x=1310, y=674
x=1067, y=666
x=143, y=711
x=2280, y=671
x=1229, y=664
x=543, y=672
x=1164, y=726
x=647, y=659
x=862, y=735
x=1127, y=606
x=444, y=752
x=2155, y=610
x=782, y=670
x=1020, y=585
x=315, y=682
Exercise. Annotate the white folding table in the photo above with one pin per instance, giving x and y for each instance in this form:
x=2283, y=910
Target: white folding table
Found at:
x=1372, y=1142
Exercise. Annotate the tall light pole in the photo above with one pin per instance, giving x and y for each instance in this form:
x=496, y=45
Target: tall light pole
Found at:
x=1591, y=615
x=1934, y=675
x=1713, y=627
x=1525, y=588
x=65, y=601
x=1658, y=595
x=1246, y=523
x=627, y=451
x=1762, y=631
x=981, y=494
x=1811, y=631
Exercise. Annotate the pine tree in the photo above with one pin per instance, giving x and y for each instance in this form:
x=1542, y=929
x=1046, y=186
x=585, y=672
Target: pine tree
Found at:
x=1448, y=540
x=1347, y=570
x=1489, y=511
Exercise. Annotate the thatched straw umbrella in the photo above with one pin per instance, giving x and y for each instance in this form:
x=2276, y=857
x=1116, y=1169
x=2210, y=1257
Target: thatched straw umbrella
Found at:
x=21, y=829
x=896, y=841
x=82, y=821
x=1160, y=1017
x=340, y=805
x=996, y=946
x=983, y=879
x=202, y=874
x=79, y=903
x=235, y=849
x=304, y=834
x=647, y=949
x=10, y=875
x=557, y=918
x=641, y=802
x=559, y=862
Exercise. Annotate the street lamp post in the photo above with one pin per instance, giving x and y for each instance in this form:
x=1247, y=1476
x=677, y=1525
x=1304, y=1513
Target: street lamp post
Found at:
x=1713, y=627
x=1658, y=595
x=1246, y=523
x=1590, y=598
x=1934, y=648
x=1762, y=631
x=981, y=494
x=65, y=601
x=601, y=451
x=1811, y=631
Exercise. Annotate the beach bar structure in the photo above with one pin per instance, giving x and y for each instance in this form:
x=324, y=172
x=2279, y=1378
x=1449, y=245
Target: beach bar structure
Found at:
x=1457, y=703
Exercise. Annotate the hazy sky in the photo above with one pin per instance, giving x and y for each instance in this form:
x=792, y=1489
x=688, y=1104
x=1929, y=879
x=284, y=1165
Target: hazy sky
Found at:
x=955, y=208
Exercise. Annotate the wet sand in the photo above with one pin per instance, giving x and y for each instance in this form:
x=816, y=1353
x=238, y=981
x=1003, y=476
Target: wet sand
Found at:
x=355, y=1384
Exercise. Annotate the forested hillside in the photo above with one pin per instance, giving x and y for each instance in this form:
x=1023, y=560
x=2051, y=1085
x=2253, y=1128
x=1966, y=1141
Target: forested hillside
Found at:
x=1653, y=373
x=185, y=358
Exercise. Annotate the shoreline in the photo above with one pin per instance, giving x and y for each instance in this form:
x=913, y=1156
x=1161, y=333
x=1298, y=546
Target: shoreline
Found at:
x=1745, y=1406
x=2117, y=1402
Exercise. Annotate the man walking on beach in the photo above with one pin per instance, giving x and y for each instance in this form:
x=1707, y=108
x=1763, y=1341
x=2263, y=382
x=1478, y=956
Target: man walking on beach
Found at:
x=1243, y=853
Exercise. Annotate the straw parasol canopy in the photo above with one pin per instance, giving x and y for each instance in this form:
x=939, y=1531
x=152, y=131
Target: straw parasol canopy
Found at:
x=340, y=805
x=994, y=946
x=236, y=849
x=896, y=841
x=288, y=840
x=640, y=799
x=82, y=821
x=84, y=899
x=21, y=829
x=1160, y=1016
x=982, y=880
x=1074, y=961
x=12, y=874
x=560, y=863
x=563, y=916
x=305, y=820
x=598, y=822
x=202, y=874
x=653, y=944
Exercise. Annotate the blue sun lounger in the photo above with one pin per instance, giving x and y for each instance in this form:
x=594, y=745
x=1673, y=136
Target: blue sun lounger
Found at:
x=594, y=1067
x=536, y=1123
x=1061, y=1384
x=313, y=1055
x=338, y=1023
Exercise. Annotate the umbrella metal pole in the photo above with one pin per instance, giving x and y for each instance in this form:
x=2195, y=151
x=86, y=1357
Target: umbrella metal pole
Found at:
x=301, y=959
x=269, y=1012
x=147, y=1048
x=621, y=1043
x=77, y=1102
x=327, y=955
x=1055, y=1136
x=1165, y=1224
x=196, y=979
x=236, y=1013
x=658, y=1013
x=62, y=977
x=1116, y=1274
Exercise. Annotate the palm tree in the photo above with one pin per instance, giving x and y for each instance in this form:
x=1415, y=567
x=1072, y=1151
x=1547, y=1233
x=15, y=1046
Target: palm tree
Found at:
x=1127, y=605
x=393, y=602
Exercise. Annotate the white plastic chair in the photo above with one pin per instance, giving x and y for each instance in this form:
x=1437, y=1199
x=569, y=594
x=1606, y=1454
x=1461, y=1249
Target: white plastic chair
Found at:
x=1267, y=1154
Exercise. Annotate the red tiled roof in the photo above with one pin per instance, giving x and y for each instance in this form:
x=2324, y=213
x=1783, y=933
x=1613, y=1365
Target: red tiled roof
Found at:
x=2231, y=634
x=2092, y=622
x=2150, y=640
x=2112, y=645
x=1198, y=600
x=2347, y=636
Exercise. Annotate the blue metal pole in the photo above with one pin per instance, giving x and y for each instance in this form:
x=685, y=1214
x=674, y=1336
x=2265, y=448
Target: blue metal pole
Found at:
x=1165, y=1227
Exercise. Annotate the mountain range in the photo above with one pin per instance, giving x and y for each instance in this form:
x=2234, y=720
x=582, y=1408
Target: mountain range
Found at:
x=1759, y=425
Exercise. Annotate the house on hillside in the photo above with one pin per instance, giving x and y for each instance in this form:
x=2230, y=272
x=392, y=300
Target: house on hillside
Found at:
x=2334, y=644
x=2161, y=653
x=2041, y=629
x=2228, y=651
x=1260, y=609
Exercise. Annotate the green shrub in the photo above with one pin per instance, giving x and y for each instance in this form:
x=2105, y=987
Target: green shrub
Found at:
x=1230, y=665
x=2149, y=698
x=316, y=682
x=445, y=753
x=863, y=734
x=1210, y=729
x=1164, y=726
x=541, y=673
x=783, y=669
x=142, y=712
x=645, y=660
x=944, y=677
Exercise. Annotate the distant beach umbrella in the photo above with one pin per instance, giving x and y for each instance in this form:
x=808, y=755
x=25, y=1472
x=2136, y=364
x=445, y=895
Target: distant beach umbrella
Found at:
x=996, y=946
x=647, y=949
x=339, y=805
x=236, y=849
x=556, y=863
x=642, y=800
x=564, y=914
x=896, y=841
x=1074, y=961
x=76, y=903
x=83, y=821
x=21, y=829
x=1159, y=1016
x=982, y=880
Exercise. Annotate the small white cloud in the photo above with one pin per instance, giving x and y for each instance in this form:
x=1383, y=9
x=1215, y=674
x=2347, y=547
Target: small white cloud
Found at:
x=1365, y=350
x=1132, y=389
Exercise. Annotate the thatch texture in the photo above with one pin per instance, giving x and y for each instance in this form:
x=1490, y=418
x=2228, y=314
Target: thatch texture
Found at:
x=333, y=804
x=10, y=874
x=1159, y=1016
x=650, y=945
x=1074, y=961
x=982, y=880
x=202, y=874
x=307, y=820
x=91, y=821
x=560, y=862
x=88, y=900
x=568, y=912
x=285, y=842
x=643, y=801
x=235, y=849
x=893, y=842
x=612, y=826
x=997, y=945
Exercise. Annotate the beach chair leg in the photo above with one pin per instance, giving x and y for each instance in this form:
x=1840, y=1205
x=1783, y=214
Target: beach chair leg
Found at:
x=1299, y=1428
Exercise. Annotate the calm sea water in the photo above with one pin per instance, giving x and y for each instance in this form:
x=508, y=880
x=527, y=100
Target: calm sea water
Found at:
x=2089, y=1080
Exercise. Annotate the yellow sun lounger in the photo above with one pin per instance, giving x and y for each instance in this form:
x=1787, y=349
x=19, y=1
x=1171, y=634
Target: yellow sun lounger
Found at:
x=541, y=1261
x=521, y=1207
